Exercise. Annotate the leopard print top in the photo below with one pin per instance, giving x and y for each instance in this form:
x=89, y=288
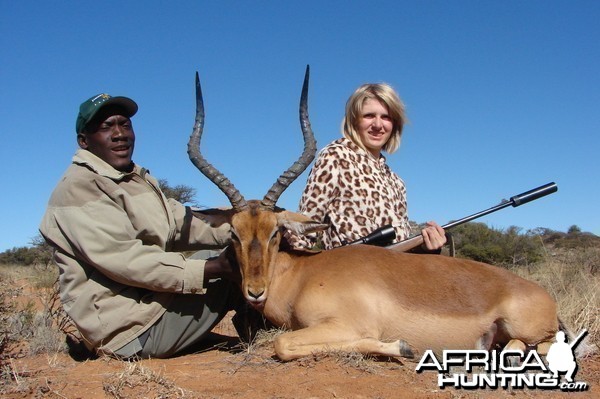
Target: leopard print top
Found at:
x=354, y=193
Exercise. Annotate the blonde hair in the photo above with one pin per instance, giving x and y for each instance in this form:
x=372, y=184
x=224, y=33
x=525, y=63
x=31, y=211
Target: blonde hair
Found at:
x=387, y=96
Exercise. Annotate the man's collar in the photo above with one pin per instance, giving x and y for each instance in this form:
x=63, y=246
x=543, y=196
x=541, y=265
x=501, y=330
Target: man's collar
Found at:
x=99, y=166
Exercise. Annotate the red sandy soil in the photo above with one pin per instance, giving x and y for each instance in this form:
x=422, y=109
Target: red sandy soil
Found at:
x=222, y=371
x=223, y=368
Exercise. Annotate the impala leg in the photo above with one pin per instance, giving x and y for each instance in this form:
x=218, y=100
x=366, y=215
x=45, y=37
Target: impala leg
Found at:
x=322, y=338
x=515, y=344
x=543, y=347
x=486, y=341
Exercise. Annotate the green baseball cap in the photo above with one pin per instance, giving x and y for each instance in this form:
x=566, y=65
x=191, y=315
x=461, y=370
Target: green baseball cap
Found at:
x=89, y=108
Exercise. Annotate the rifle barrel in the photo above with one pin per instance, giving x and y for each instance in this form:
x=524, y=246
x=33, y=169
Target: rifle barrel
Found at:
x=514, y=201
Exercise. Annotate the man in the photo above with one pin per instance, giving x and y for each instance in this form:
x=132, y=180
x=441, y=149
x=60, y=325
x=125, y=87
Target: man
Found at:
x=116, y=237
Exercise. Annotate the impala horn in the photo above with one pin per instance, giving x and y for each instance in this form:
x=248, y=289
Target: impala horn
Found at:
x=310, y=148
x=233, y=194
x=235, y=198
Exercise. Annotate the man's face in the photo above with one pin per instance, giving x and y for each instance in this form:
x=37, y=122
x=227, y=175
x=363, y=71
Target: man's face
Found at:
x=110, y=137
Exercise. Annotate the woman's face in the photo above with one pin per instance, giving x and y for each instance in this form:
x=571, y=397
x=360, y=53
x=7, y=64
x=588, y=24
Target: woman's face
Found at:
x=374, y=126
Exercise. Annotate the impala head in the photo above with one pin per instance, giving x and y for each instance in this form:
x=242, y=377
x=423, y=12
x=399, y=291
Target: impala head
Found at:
x=256, y=237
x=257, y=226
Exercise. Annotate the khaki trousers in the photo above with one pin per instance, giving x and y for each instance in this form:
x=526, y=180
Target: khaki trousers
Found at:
x=187, y=320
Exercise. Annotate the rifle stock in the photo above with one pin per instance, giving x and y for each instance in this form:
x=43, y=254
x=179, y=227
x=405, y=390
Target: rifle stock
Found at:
x=520, y=199
x=408, y=244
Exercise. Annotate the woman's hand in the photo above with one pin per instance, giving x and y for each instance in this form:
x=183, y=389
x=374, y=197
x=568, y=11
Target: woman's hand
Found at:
x=434, y=236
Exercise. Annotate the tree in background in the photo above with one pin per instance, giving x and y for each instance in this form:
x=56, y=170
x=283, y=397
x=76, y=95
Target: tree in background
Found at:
x=182, y=193
x=38, y=253
x=573, y=230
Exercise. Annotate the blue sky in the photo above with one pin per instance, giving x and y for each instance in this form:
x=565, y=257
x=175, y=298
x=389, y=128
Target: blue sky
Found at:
x=503, y=96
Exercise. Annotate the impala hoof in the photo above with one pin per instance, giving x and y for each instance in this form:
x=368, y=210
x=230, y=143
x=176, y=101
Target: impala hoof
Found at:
x=405, y=350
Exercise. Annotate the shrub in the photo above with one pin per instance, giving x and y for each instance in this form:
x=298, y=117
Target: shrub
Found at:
x=479, y=242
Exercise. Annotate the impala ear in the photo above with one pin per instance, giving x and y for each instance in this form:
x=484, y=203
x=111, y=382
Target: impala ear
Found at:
x=214, y=217
x=299, y=224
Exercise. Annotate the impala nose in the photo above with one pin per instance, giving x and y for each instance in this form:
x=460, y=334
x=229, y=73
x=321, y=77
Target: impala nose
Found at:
x=254, y=295
x=256, y=298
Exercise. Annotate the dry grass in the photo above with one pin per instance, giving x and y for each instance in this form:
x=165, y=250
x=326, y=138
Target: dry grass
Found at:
x=141, y=382
x=573, y=279
x=358, y=361
x=33, y=276
x=25, y=312
x=13, y=379
x=258, y=352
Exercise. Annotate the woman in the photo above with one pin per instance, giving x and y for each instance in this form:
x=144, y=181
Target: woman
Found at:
x=351, y=187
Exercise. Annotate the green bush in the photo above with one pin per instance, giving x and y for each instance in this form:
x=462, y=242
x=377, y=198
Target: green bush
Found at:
x=479, y=242
x=39, y=253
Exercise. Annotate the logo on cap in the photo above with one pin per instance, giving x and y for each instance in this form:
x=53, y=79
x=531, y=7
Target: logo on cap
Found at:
x=101, y=97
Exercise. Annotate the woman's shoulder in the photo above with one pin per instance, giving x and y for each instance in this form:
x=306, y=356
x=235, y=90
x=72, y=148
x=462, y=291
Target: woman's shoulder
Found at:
x=340, y=148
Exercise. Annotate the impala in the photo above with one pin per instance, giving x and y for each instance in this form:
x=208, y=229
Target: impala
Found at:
x=364, y=298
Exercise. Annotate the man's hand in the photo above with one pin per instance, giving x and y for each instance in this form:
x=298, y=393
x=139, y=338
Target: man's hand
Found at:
x=223, y=266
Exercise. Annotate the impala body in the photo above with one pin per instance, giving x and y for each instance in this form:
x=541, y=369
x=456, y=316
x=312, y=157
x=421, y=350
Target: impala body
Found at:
x=369, y=299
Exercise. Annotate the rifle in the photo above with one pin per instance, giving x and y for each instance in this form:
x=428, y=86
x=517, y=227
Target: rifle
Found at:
x=387, y=233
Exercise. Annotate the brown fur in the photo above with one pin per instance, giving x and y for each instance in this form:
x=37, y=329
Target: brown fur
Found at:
x=374, y=300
